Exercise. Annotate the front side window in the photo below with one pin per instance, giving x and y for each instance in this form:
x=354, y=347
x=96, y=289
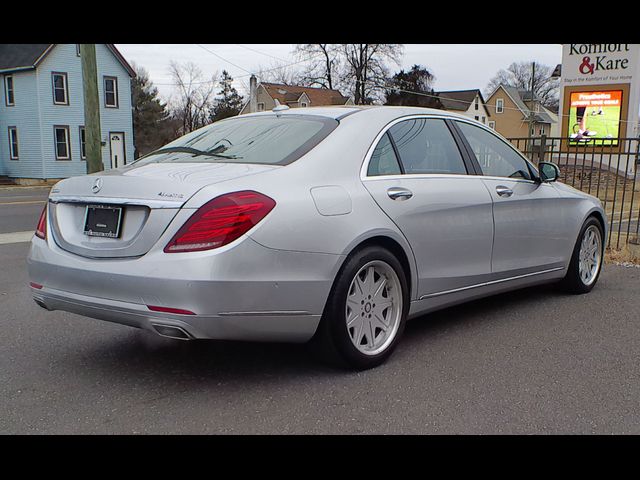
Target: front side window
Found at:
x=111, y=92
x=83, y=144
x=383, y=160
x=496, y=158
x=8, y=91
x=499, y=105
x=270, y=140
x=13, y=143
x=60, y=90
x=61, y=138
x=426, y=146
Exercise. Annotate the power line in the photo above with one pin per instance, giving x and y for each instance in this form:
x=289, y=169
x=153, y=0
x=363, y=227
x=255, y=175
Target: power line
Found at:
x=223, y=59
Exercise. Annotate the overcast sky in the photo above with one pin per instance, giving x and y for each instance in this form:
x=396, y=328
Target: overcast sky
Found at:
x=456, y=67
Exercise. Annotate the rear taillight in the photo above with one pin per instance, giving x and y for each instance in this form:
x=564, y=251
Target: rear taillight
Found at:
x=41, y=229
x=221, y=221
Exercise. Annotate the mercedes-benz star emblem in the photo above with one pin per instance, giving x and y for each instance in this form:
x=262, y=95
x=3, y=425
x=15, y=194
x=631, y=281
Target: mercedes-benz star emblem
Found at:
x=97, y=185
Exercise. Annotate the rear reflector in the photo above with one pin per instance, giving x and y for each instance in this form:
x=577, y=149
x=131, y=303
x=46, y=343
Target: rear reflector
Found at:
x=221, y=221
x=41, y=229
x=35, y=285
x=179, y=311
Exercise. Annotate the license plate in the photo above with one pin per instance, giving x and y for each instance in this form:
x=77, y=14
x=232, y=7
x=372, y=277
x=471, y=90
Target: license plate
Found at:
x=103, y=221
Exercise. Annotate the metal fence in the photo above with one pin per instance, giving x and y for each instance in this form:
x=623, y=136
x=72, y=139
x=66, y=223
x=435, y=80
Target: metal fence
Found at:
x=604, y=168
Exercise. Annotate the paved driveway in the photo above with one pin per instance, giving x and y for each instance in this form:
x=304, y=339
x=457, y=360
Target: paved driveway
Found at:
x=534, y=361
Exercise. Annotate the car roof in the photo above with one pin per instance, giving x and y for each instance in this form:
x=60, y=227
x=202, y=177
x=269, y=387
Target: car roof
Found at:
x=340, y=111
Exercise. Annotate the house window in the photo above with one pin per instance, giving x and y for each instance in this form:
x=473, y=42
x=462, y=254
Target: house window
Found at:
x=8, y=91
x=111, y=92
x=476, y=105
x=60, y=93
x=541, y=130
x=261, y=106
x=484, y=119
x=83, y=145
x=500, y=105
x=492, y=125
x=303, y=104
x=77, y=49
x=13, y=143
x=477, y=118
x=61, y=137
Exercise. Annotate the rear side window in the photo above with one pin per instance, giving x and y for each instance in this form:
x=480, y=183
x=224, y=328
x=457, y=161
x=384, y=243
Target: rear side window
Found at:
x=270, y=140
x=427, y=146
x=383, y=160
x=496, y=158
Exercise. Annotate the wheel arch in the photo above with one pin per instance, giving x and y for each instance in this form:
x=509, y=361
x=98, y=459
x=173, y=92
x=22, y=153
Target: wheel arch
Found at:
x=397, y=246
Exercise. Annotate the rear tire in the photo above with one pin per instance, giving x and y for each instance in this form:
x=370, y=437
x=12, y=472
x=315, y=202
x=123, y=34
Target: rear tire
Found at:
x=587, y=258
x=366, y=311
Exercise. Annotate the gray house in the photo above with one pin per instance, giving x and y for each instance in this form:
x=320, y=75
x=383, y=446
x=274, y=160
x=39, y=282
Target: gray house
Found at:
x=42, y=110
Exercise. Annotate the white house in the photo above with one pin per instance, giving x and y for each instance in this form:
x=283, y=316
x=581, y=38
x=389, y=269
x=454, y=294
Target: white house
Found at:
x=465, y=102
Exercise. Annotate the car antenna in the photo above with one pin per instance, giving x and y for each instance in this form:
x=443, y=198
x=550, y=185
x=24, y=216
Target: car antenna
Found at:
x=279, y=107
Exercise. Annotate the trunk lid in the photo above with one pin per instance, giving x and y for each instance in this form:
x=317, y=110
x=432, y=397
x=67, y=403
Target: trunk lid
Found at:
x=150, y=197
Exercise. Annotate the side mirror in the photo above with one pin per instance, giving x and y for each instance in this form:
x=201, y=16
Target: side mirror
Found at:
x=549, y=172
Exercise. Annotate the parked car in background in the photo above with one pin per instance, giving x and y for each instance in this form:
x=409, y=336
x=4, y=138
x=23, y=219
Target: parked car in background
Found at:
x=331, y=224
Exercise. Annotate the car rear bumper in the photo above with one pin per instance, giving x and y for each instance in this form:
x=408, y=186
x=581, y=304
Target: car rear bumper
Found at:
x=247, y=292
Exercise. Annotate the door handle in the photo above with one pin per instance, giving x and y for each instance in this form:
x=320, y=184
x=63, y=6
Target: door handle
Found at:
x=397, y=193
x=504, y=191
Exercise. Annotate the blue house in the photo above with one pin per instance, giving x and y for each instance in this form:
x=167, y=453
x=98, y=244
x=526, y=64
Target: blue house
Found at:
x=42, y=110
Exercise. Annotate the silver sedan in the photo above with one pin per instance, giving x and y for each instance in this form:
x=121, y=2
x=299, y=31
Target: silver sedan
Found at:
x=333, y=224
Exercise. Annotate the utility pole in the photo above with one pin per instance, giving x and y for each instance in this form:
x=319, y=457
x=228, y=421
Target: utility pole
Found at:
x=92, y=136
x=532, y=112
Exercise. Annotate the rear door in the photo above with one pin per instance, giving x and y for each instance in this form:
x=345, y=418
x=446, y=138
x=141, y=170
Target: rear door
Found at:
x=529, y=230
x=421, y=179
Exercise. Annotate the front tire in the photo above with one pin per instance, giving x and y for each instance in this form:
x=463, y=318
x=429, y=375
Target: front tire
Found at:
x=366, y=311
x=587, y=258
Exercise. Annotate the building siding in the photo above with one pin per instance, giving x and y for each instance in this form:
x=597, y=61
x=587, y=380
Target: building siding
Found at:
x=23, y=115
x=35, y=115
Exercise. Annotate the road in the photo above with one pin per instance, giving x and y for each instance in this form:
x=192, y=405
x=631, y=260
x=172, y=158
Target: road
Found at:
x=20, y=207
x=533, y=361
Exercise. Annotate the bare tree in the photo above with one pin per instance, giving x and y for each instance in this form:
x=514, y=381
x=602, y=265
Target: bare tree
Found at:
x=323, y=65
x=518, y=75
x=365, y=69
x=193, y=102
x=278, y=73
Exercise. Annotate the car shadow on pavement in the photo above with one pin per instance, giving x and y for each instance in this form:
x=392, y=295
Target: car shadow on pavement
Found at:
x=139, y=353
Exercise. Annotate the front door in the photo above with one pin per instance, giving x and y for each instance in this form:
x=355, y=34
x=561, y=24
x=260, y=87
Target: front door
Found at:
x=529, y=225
x=116, y=140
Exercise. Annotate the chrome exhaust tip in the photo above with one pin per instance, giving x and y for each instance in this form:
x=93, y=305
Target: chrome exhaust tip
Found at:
x=171, y=331
x=41, y=304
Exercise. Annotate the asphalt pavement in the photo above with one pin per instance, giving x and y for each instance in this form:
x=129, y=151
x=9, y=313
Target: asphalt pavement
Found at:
x=532, y=361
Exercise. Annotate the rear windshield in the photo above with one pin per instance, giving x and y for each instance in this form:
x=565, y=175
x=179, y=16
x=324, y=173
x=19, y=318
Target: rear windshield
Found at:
x=270, y=140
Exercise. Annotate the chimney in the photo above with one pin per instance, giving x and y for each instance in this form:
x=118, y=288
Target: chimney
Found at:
x=253, y=94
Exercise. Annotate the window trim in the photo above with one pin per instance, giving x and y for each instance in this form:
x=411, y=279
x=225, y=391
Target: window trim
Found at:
x=12, y=155
x=532, y=170
x=448, y=120
x=68, y=142
x=501, y=100
x=115, y=91
x=6, y=91
x=66, y=87
x=81, y=129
